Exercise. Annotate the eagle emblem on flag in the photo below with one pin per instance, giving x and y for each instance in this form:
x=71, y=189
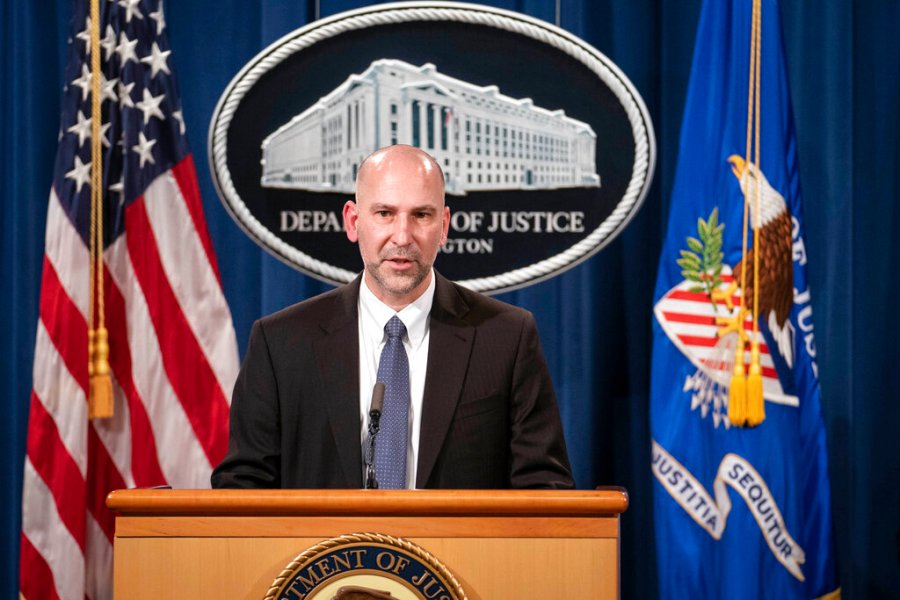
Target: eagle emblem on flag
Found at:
x=703, y=314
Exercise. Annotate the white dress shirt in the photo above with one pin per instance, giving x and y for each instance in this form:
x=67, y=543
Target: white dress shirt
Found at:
x=373, y=316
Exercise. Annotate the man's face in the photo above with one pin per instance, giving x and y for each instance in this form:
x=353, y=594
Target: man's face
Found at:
x=400, y=221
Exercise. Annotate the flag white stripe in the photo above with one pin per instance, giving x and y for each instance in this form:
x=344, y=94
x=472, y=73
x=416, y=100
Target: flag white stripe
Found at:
x=192, y=278
x=44, y=528
x=67, y=253
x=61, y=396
x=115, y=435
x=693, y=307
x=99, y=562
x=181, y=457
x=702, y=331
x=764, y=359
x=694, y=329
x=708, y=354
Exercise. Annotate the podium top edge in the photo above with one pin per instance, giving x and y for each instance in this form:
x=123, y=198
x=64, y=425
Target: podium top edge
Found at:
x=147, y=502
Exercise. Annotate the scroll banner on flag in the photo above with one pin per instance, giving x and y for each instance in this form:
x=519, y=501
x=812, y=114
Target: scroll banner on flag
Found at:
x=173, y=354
x=741, y=512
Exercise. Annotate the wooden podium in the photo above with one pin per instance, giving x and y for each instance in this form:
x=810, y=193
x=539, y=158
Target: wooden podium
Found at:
x=498, y=544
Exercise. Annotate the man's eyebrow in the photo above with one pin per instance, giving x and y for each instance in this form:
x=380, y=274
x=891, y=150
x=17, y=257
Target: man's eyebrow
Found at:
x=378, y=206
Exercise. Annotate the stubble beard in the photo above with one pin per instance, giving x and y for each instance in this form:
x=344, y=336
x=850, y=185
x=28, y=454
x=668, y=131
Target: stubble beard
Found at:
x=402, y=283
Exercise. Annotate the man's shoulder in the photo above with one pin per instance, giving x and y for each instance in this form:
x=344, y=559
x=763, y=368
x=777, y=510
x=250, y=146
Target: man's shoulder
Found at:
x=316, y=311
x=477, y=306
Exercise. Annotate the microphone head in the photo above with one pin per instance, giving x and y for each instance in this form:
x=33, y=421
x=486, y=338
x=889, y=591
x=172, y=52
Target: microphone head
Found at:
x=377, y=399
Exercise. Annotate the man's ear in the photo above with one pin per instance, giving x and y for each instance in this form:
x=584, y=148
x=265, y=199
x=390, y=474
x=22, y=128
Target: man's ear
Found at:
x=445, y=226
x=351, y=215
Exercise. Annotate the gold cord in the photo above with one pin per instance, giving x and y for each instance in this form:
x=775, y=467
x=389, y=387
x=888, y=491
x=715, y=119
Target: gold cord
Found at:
x=100, y=396
x=746, y=384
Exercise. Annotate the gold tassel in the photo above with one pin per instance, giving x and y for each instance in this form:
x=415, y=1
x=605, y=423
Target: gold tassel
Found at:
x=756, y=410
x=100, y=405
x=737, y=391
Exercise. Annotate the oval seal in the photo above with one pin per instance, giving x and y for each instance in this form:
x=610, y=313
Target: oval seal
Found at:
x=365, y=566
x=547, y=148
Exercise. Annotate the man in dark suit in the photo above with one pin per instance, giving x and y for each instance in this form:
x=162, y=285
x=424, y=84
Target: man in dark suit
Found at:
x=481, y=407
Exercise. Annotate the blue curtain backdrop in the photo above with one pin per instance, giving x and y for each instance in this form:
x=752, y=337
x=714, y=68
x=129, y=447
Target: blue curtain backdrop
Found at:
x=844, y=69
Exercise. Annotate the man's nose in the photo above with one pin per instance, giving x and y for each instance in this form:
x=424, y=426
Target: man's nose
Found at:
x=402, y=230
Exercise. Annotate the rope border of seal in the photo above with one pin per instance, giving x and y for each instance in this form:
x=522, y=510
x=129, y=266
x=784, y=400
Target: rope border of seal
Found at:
x=593, y=59
x=308, y=555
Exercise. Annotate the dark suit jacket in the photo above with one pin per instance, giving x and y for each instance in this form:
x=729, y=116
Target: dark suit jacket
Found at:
x=489, y=415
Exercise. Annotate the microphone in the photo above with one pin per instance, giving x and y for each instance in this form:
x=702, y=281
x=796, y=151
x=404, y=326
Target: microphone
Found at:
x=375, y=409
x=377, y=405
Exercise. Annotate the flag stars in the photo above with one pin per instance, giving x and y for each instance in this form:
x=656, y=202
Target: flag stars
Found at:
x=157, y=60
x=124, y=92
x=150, y=106
x=125, y=49
x=84, y=82
x=119, y=188
x=179, y=116
x=131, y=9
x=80, y=174
x=85, y=35
x=108, y=88
x=144, y=149
x=159, y=18
x=109, y=43
x=103, y=139
x=82, y=128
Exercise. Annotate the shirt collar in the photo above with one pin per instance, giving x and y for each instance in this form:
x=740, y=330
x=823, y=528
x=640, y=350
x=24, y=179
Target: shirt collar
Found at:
x=374, y=314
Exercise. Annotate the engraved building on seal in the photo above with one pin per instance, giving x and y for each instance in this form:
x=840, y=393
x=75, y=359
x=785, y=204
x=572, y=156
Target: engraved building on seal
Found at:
x=483, y=139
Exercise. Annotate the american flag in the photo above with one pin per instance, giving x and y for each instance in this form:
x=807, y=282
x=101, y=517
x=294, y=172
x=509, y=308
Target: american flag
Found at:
x=173, y=353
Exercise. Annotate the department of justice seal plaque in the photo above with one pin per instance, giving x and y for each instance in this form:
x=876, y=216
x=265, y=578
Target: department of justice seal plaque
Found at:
x=547, y=148
x=365, y=566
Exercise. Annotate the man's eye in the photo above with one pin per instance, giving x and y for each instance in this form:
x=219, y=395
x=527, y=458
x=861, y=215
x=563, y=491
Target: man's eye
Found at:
x=383, y=213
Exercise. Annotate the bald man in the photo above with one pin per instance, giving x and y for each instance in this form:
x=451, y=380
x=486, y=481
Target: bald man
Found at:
x=481, y=408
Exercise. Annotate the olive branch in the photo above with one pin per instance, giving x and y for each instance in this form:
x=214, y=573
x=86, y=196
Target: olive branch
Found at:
x=702, y=263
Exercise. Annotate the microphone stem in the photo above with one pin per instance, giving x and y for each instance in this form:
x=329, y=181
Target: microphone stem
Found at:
x=371, y=483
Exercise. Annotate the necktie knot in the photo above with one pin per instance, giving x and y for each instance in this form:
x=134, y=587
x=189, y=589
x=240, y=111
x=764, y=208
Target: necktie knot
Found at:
x=395, y=328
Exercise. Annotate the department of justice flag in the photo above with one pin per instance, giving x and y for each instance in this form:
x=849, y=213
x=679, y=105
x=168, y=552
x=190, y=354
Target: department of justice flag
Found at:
x=173, y=354
x=742, y=503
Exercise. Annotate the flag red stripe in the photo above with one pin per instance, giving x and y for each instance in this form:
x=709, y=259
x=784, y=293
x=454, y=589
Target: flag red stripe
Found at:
x=145, y=468
x=186, y=176
x=65, y=324
x=687, y=318
x=703, y=320
x=190, y=375
x=694, y=340
x=34, y=573
x=56, y=467
x=709, y=342
x=699, y=297
x=103, y=477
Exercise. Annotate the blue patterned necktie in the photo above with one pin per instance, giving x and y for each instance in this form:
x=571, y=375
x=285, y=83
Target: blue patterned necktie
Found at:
x=393, y=371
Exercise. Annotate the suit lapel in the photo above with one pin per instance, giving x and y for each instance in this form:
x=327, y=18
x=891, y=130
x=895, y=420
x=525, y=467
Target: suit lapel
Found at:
x=449, y=347
x=337, y=356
